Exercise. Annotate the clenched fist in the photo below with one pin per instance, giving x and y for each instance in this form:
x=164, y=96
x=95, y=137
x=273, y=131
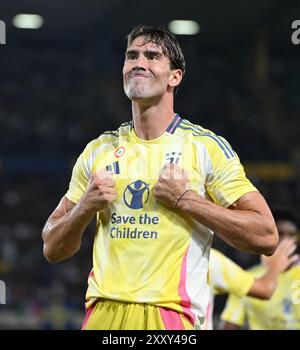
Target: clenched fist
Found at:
x=100, y=191
x=172, y=183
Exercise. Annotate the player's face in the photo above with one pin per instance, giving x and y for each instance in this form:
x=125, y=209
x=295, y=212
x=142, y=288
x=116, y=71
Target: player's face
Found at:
x=146, y=71
x=286, y=228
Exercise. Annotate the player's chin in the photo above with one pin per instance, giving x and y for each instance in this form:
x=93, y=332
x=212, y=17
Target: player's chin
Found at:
x=135, y=93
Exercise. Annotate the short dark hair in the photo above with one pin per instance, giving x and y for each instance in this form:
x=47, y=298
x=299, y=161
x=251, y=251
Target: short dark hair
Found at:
x=163, y=38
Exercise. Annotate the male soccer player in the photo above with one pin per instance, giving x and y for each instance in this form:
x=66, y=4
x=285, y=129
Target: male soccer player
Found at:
x=159, y=186
x=282, y=311
x=225, y=276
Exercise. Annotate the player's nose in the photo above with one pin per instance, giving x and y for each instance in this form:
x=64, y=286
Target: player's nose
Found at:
x=141, y=62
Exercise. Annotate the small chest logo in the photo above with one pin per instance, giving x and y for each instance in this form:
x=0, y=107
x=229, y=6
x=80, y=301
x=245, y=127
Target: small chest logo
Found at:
x=115, y=167
x=119, y=152
x=173, y=157
x=136, y=194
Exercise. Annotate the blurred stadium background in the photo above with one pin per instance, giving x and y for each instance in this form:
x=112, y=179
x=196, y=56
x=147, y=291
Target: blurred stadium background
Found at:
x=61, y=86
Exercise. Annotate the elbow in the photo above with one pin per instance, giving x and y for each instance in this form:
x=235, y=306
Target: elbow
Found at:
x=55, y=254
x=268, y=291
x=49, y=255
x=269, y=249
x=48, y=252
x=270, y=240
x=266, y=294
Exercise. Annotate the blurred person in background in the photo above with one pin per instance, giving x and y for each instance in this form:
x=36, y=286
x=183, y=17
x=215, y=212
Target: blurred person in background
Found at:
x=159, y=186
x=227, y=277
x=282, y=311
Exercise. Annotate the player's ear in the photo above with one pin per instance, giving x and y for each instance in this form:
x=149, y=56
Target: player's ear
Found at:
x=175, y=77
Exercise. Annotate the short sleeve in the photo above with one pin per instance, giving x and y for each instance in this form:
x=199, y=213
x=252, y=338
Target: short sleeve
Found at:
x=226, y=180
x=80, y=176
x=234, y=311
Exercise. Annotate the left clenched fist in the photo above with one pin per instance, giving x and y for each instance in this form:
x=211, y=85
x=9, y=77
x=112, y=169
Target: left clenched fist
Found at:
x=172, y=183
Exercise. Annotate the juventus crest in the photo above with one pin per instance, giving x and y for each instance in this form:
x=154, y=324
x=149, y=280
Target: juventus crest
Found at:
x=173, y=157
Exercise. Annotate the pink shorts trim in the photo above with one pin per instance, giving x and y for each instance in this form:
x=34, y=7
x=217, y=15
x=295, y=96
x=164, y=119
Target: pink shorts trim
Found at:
x=87, y=317
x=171, y=319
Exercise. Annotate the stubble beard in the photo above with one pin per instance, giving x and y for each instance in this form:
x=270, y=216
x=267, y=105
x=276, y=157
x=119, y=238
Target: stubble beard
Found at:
x=136, y=91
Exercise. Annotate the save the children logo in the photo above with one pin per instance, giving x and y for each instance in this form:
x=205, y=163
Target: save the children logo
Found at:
x=136, y=194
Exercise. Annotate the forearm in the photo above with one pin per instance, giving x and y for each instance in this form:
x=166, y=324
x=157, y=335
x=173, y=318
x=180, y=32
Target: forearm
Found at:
x=265, y=286
x=244, y=229
x=62, y=235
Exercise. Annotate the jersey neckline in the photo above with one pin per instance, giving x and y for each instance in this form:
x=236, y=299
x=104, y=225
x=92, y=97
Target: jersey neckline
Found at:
x=170, y=130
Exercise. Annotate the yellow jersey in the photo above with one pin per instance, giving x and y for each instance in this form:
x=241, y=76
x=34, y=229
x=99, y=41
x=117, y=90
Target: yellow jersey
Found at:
x=281, y=312
x=145, y=252
x=225, y=276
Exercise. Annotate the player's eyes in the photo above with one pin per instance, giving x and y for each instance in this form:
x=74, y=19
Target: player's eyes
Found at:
x=131, y=56
x=153, y=57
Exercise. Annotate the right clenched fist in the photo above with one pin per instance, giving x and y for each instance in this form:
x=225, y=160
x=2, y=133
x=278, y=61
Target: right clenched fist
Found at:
x=100, y=191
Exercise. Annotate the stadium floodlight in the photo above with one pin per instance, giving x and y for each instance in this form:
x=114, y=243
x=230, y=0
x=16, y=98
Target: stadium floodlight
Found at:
x=184, y=27
x=28, y=21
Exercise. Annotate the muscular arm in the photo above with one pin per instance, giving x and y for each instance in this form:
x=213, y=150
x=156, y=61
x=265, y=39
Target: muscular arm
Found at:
x=247, y=225
x=64, y=229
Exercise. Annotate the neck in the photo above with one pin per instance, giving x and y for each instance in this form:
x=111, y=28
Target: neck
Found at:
x=151, y=120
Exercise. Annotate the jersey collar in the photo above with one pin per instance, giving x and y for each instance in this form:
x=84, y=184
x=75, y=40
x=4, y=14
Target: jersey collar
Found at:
x=171, y=128
x=174, y=124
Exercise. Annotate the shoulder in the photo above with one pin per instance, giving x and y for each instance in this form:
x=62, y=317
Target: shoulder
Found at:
x=112, y=135
x=123, y=129
x=109, y=138
x=206, y=138
x=219, y=261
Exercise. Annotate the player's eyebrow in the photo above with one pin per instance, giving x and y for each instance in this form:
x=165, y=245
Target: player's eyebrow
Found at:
x=131, y=53
x=147, y=53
